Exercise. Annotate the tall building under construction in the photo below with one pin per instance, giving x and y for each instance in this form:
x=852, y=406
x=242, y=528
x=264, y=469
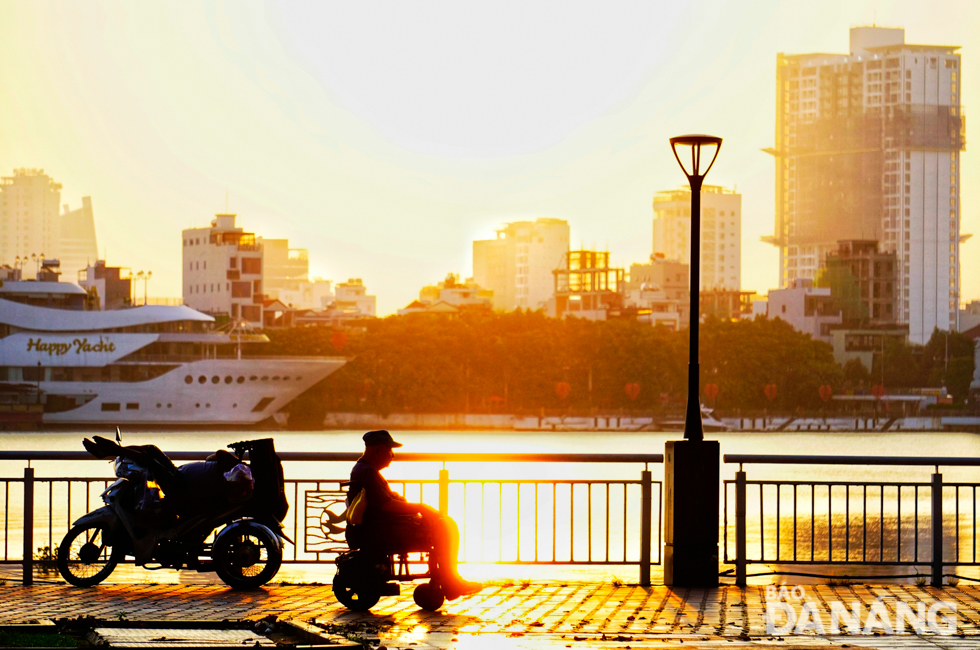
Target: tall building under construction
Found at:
x=868, y=147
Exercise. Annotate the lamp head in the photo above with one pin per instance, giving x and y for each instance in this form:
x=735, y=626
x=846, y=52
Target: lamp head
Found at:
x=695, y=142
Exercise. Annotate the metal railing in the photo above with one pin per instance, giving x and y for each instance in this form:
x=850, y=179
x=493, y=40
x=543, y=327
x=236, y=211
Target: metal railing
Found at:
x=867, y=523
x=565, y=521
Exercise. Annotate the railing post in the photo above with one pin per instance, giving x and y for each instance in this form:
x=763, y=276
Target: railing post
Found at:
x=444, y=491
x=937, y=529
x=646, y=523
x=28, y=575
x=740, y=560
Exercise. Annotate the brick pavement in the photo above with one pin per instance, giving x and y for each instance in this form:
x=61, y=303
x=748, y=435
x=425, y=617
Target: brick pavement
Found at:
x=538, y=615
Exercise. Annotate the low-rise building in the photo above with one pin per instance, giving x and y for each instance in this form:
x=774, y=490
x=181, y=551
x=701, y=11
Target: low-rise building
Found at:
x=309, y=294
x=587, y=287
x=864, y=282
x=352, y=296
x=970, y=316
x=809, y=309
x=222, y=271
x=450, y=297
x=110, y=286
x=662, y=274
x=865, y=343
x=652, y=305
x=726, y=304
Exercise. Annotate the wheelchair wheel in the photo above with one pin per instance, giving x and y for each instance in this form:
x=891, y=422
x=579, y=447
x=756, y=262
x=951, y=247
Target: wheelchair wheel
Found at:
x=357, y=596
x=429, y=596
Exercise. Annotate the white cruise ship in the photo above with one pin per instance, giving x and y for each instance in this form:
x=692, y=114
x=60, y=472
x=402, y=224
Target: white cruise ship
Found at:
x=150, y=365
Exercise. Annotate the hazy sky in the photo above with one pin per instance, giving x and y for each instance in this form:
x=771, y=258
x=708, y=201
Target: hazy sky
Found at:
x=385, y=137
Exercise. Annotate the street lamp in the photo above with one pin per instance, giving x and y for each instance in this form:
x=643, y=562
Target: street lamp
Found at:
x=695, y=177
x=692, y=466
x=145, y=277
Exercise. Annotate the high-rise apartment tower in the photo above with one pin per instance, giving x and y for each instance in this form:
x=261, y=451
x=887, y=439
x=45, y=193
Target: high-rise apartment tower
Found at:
x=29, y=220
x=721, y=233
x=868, y=147
x=518, y=265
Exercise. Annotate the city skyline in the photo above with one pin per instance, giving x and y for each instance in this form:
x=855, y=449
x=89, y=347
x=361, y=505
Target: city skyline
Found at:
x=354, y=135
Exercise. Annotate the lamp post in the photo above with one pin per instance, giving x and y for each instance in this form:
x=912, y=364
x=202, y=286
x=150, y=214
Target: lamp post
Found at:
x=692, y=465
x=695, y=173
x=145, y=277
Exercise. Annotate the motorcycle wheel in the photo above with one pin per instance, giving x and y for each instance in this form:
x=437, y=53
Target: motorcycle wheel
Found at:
x=246, y=559
x=357, y=597
x=86, y=557
x=429, y=596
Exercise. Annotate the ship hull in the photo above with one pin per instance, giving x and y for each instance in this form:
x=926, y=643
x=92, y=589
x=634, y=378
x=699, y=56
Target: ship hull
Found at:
x=209, y=392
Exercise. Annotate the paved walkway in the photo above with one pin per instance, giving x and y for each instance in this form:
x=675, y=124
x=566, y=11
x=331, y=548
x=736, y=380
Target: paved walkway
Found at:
x=537, y=615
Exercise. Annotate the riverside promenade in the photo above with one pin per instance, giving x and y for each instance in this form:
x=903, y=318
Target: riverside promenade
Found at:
x=527, y=615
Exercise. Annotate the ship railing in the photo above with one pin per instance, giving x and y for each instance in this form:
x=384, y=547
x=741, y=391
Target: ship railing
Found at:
x=914, y=525
x=571, y=519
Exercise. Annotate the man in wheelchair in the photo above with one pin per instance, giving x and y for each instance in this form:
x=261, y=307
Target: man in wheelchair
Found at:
x=389, y=524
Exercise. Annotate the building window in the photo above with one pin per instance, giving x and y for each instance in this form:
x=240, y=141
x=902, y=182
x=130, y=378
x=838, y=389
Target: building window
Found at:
x=241, y=289
x=110, y=406
x=252, y=265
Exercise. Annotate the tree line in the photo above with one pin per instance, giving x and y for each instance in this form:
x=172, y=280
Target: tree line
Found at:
x=524, y=362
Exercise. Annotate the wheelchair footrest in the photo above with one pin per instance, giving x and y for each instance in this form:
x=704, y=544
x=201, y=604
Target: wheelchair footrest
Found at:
x=391, y=589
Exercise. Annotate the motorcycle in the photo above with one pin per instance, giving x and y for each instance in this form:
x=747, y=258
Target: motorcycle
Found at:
x=164, y=516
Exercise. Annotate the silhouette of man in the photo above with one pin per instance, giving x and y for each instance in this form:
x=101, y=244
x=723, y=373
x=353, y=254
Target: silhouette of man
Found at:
x=391, y=524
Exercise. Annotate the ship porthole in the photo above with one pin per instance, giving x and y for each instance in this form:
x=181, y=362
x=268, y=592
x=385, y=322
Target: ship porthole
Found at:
x=276, y=378
x=241, y=380
x=298, y=378
x=234, y=406
x=169, y=405
x=228, y=379
x=198, y=405
x=188, y=379
x=208, y=405
x=286, y=378
x=159, y=404
x=253, y=378
x=202, y=379
x=215, y=379
x=265, y=377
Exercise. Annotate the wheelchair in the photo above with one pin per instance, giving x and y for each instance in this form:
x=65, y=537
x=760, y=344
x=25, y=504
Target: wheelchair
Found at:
x=368, y=570
x=363, y=577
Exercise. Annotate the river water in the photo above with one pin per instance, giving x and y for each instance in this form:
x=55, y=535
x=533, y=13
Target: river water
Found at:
x=809, y=530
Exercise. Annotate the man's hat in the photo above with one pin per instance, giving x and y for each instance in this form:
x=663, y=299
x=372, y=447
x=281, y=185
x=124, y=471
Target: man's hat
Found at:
x=379, y=438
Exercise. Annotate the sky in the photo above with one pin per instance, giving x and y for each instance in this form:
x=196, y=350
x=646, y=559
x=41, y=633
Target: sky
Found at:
x=385, y=137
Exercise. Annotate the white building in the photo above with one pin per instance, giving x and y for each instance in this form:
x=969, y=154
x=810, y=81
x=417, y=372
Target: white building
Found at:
x=868, y=146
x=721, y=233
x=79, y=247
x=517, y=266
x=352, y=296
x=808, y=309
x=283, y=268
x=312, y=294
x=222, y=271
x=451, y=296
x=670, y=276
x=655, y=307
x=29, y=223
